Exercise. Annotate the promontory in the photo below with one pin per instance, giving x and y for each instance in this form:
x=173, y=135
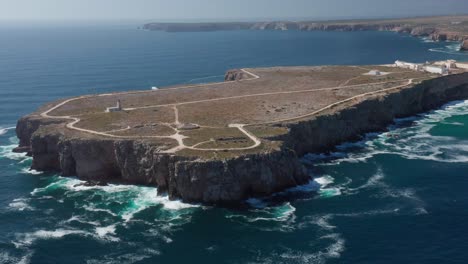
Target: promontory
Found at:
x=220, y=143
x=437, y=28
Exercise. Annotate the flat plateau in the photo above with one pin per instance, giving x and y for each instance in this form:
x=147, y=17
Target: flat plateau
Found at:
x=223, y=142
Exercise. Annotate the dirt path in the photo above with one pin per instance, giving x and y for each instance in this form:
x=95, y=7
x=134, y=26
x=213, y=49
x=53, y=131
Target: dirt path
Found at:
x=179, y=137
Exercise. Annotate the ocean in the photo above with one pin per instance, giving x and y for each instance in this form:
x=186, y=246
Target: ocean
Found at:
x=384, y=199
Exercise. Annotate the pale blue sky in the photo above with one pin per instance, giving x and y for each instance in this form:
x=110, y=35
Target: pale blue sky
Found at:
x=222, y=9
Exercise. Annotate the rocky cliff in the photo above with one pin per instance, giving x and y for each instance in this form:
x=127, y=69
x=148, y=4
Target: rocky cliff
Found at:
x=373, y=114
x=464, y=46
x=436, y=28
x=223, y=181
x=226, y=180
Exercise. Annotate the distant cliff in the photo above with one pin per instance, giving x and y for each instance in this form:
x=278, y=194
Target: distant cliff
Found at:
x=196, y=27
x=436, y=28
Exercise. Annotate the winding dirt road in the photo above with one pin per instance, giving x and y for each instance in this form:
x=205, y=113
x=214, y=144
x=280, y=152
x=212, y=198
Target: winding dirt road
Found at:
x=179, y=137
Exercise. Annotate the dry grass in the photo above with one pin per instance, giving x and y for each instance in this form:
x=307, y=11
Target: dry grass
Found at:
x=291, y=92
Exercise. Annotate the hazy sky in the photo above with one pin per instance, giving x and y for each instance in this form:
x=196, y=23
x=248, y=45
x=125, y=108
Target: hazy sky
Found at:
x=221, y=9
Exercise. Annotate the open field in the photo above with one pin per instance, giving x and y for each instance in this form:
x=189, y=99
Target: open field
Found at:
x=233, y=116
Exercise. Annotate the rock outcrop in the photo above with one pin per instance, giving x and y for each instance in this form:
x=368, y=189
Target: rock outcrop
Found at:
x=227, y=180
x=464, y=46
x=235, y=75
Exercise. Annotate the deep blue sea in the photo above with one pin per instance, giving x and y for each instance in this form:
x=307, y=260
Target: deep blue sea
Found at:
x=384, y=199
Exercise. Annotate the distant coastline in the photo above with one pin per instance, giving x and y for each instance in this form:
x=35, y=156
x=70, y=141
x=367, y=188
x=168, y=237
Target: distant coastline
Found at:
x=440, y=28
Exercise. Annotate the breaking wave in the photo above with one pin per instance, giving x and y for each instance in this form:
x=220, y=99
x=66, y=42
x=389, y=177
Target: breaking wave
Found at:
x=26, y=239
x=453, y=48
x=4, y=130
x=411, y=138
x=21, y=204
x=7, y=152
x=264, y=213
x=124, y=201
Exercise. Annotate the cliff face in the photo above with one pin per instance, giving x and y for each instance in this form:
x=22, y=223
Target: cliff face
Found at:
x=438, y=31
x=374, y=114
x=138, y=162
x=224, y=181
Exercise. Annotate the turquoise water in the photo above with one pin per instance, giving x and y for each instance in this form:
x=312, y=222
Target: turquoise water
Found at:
x=384, y=199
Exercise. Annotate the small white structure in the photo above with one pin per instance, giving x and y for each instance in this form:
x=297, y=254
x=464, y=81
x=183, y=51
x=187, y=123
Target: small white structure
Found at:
x=116, y=108
x=187, y=126
x=450, y=64
x=154, y=88
x=408, y=65
x=374, y=73
x=436, y=69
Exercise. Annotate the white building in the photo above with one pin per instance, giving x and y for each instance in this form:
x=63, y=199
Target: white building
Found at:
x=436, y=69
x=374, y=73
x=450, y=64
x=116, y=108
x=408, y=65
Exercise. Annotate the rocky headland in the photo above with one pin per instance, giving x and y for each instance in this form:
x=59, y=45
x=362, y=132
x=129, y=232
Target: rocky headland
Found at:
x=229, y=173
x=446, y=28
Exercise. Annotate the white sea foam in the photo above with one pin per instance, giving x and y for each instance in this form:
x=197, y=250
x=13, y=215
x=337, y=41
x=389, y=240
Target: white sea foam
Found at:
x=30, y=171
x=134, y=198
x=337, y=248
x=323, y=222
x=333, y=251
x=413, y=142
x=369, y=213
x=27, y=239
x=4, y=130
x=453, y=48
x=374, y=181
x=278, y=213
x=325, y=191
x=421, y=211
x=26, y=259
x=92, y=208
x=5, y=258
x=311, y=186
x=106, y=233
x=147, y=197
x=427, y=40
x=21, y=204
x=7, y=152
x=79, y=219
x=330, y=192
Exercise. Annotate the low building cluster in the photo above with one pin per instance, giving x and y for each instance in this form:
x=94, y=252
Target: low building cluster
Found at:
x=439, y=67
